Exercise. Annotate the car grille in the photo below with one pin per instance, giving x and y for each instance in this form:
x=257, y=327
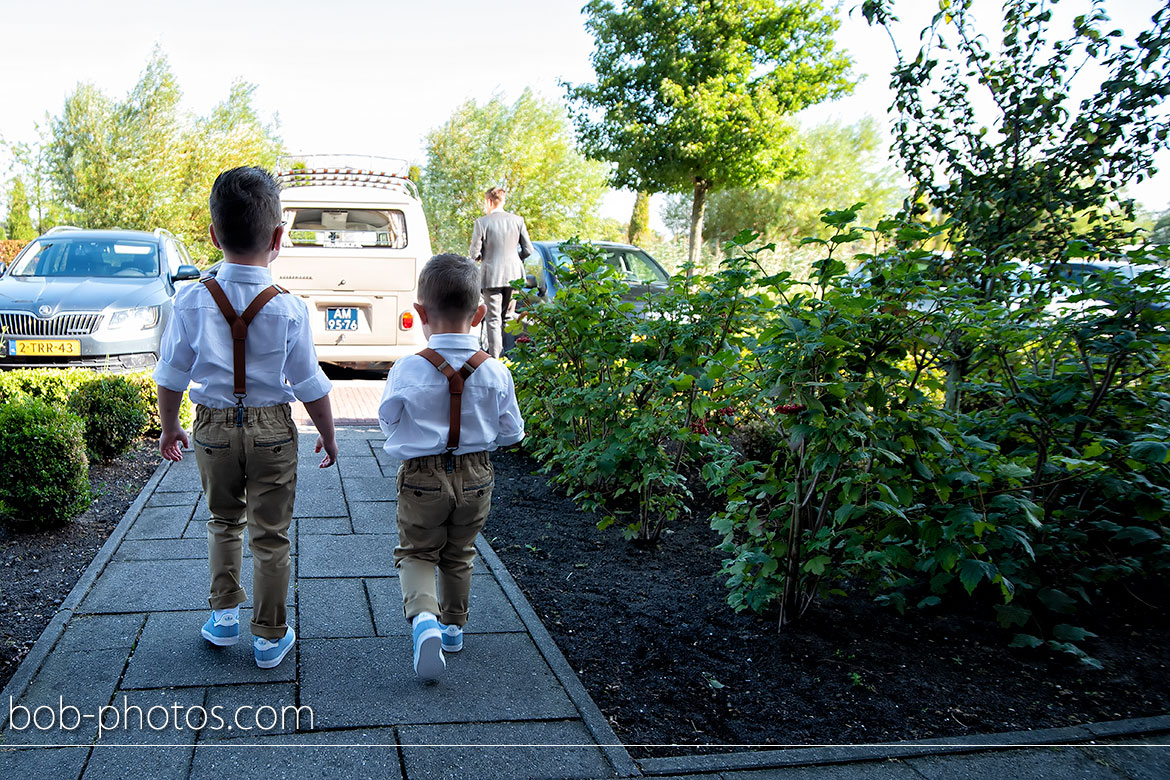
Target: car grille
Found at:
x=12, y=324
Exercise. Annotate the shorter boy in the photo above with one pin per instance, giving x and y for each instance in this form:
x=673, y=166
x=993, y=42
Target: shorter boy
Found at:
x=249, y=348
x=443, y=411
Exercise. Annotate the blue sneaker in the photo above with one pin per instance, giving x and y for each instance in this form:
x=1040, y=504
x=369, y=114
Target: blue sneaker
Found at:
x=222, y=628
x=268, y=653
x=452, y=638
x=429, y=663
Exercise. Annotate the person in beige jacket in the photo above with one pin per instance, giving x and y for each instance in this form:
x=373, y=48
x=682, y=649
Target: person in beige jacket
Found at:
x=499, y=243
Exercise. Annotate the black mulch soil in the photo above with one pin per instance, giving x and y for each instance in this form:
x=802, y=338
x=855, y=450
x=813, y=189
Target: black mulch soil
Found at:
x=38, y=569
x=669, y=663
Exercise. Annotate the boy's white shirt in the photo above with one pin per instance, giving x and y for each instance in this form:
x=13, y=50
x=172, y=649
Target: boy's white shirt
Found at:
x=415, y=412
x=279, y=348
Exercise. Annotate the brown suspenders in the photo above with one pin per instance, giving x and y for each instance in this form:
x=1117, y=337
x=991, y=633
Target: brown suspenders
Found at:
x=239, y=324
x=455, y=380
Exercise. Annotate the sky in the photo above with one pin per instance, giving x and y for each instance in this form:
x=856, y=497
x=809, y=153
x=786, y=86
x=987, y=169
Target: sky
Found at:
x=373, y=76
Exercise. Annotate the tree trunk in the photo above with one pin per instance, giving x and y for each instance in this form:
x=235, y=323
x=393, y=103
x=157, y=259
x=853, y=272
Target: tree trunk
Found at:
x=698, y=211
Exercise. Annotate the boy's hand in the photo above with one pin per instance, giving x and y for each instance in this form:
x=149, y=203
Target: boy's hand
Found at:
x=168, y=444
x=330, y=451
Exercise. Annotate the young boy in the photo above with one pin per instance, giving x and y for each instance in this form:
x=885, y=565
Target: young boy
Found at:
x=443, y=411
x=249, y=349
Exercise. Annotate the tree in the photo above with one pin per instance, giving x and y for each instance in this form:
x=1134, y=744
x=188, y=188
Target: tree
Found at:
x=840, y=165
x=527, y=148
x=991, y=138
x=143, y=162
x=695, y=95
x=20, y=227
x=1160, y=234
x=639, y=218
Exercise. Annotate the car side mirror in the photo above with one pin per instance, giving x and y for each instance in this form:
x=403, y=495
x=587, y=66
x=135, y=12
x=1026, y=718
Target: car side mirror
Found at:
x=529, y=282
x=3, y=268
x=185, y=273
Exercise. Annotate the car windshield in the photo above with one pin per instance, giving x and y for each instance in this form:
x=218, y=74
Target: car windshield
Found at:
x=88, y=257
x=342, y=227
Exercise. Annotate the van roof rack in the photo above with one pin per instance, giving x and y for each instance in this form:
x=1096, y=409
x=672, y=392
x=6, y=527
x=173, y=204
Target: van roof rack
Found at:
x=308, y=170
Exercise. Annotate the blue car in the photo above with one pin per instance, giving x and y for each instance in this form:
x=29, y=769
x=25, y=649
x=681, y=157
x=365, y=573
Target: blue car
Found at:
x=641, y=271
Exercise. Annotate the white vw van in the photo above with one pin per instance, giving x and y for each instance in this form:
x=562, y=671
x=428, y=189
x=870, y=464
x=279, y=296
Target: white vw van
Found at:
x=355, y=242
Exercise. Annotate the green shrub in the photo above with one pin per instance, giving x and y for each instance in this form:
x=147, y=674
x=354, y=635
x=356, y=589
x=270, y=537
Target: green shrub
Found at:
x=147, y=389
x=46, y=472
x=111, y=407
x=53, y=385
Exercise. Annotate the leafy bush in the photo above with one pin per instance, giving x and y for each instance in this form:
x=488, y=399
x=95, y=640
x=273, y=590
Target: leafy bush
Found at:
x=111, y=407
x=9, y=249
x=46, y=472
x=148, y=400
x=614, y=402
x=53, y=385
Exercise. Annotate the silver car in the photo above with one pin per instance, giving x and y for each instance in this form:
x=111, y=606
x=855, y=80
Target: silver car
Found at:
x=96, y=298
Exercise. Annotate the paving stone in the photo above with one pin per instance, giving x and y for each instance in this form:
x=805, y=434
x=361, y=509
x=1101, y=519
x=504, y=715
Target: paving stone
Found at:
x=313, y=757
x=347, y=556
x=181, y=477
x=172, y=653
x=370, y=489
x=1062, y=762
x=163, y=762
x=254, y=710
x=320, y=503
x=164, y=522
x=333, y=608
x=359, y=466
x=144, y=586
x=311, y=477
x=63, y=763
x=490, y=610
x=166, y=716
x=374, y=517
x=100, y=632
x=82, y=680
x=161, y=549
x=537, y=750
x=380, y=687
x=327, y=526
x=1138, y=759
x=185, y=498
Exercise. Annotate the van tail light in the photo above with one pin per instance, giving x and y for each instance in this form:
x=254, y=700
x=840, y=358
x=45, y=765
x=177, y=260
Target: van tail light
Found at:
x=407, y=321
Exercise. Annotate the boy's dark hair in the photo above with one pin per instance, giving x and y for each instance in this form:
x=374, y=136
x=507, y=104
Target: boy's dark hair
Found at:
x=449, y=286
x=245, y=209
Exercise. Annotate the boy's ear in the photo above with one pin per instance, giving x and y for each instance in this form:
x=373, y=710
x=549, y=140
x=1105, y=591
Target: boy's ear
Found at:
x=214, y=238
x=422, y=312
x=479, y=315
x=277, y=235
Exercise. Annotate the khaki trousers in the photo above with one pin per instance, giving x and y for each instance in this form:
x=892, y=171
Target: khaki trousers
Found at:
x=439, y=516
x=249, y=476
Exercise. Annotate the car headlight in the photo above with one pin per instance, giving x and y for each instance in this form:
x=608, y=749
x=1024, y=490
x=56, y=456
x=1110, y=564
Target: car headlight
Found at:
x=143, y=318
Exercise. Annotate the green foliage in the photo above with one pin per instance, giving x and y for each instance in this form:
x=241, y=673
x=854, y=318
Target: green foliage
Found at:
x=112, y=410
x=528, y=149
x=841, y=163
x=20, y=227
x=9, y=249
x=614, y=402
x=143, y=163
x=696, y=96
x=52, y=385
x=639, y=219
x=46, y=477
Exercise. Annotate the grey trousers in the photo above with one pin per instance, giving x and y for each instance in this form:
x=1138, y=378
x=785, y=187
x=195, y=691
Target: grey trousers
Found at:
x=501, y=308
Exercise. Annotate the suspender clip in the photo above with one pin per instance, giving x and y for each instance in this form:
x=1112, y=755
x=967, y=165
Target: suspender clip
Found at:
x=239, y=411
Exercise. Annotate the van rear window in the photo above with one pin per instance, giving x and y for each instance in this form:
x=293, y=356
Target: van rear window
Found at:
x=349, y=228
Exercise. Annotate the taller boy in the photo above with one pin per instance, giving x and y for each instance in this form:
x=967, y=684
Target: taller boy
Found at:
x=250, y=351
x=443, y=411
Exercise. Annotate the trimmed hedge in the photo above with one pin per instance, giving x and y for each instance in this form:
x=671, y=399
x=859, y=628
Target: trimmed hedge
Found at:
x=112, y=408
x=46, y=471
